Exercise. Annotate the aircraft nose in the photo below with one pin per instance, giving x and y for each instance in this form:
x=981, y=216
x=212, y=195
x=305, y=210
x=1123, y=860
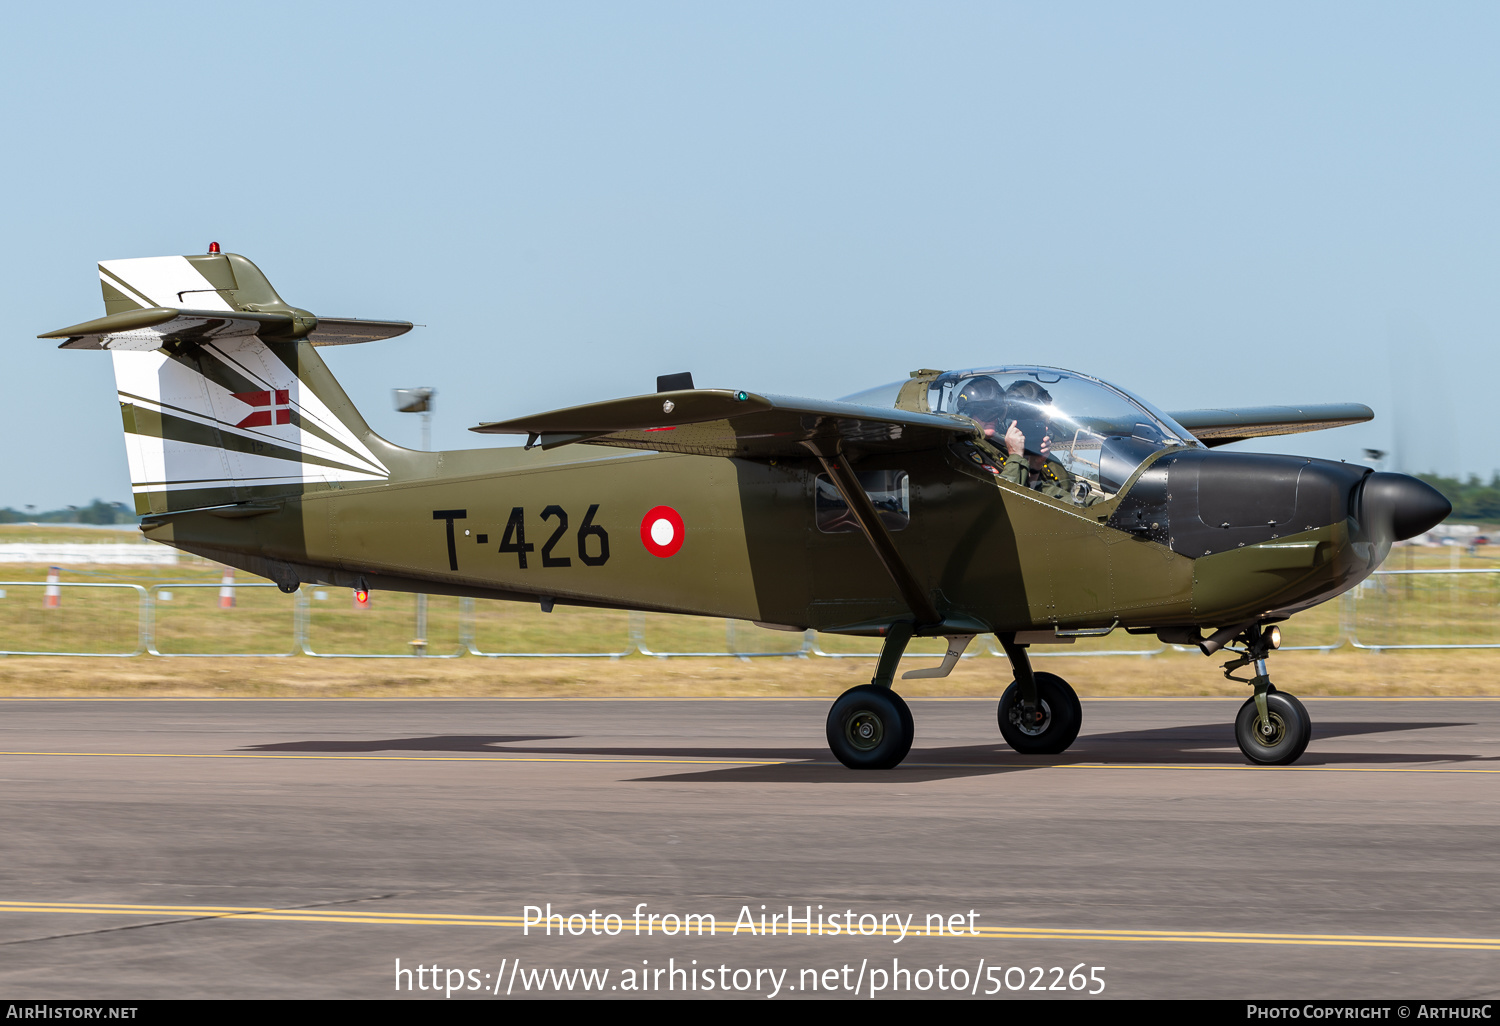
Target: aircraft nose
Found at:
x=1396, y=507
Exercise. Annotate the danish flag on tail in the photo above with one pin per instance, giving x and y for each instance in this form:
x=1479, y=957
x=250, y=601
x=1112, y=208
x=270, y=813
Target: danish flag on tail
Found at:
x=222, y=392
x=277, y=401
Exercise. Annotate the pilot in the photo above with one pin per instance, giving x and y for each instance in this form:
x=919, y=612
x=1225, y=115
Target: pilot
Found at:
x=989, y=414
x=1028, y=461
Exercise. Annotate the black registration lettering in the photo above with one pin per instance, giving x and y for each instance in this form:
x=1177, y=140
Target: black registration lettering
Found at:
x=514, y=538
x=590, y=536
x=589, y=528
x=451, y=515
x=548, y=559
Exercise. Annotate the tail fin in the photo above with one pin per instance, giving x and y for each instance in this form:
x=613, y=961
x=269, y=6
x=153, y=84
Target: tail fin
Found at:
x=223, y=395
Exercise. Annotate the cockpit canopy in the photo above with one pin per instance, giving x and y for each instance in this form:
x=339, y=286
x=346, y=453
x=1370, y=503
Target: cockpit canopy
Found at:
x=1095, y=432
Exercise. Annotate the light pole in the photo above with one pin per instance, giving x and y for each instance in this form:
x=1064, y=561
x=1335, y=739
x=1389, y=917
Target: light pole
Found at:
x=419, y=400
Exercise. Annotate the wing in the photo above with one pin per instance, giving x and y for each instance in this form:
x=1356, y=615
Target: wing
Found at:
x=715, y=422
x=1220, y=427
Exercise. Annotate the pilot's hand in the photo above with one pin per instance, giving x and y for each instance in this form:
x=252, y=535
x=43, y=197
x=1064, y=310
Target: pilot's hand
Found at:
x=1015, y=440
x=1046, y=446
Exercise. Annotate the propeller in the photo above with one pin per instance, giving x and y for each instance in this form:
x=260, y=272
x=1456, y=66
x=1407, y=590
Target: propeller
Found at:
x=1394, y=507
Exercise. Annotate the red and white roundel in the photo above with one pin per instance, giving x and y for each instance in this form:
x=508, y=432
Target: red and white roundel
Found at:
x=662, y=531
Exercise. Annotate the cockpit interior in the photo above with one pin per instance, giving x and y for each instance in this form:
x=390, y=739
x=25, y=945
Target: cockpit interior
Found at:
x=1083, y=434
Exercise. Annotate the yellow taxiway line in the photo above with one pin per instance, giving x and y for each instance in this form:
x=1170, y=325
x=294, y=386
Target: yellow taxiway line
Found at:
x=405, y=758
x=824, y=699
x=670, y=761
x=725, y=925
x=1283, y=769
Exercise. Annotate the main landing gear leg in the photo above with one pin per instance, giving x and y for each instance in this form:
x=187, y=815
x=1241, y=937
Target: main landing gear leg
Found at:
x=1039, y=713
x=1272, y=727
x=870, y=727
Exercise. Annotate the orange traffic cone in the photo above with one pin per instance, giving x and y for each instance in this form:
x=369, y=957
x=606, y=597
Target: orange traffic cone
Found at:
x=226, y=589
x=52, y=597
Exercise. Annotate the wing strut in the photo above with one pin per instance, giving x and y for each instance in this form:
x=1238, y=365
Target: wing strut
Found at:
x=837, y=466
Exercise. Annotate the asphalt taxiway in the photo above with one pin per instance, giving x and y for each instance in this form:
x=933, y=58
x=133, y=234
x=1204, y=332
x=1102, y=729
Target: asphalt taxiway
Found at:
x=242, y=848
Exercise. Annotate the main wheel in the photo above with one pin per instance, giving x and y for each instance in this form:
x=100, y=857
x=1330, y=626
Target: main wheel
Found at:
x=1279, y=739
x=870, y=727
x=1060, y=715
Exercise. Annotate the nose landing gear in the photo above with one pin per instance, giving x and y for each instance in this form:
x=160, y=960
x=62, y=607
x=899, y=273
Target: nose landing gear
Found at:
x=1272, y=727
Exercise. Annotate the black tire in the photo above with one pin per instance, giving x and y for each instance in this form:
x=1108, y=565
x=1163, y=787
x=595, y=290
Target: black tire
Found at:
x=870, y=727
x=1306, y=721
x=1284, y=743
x=1062, y=716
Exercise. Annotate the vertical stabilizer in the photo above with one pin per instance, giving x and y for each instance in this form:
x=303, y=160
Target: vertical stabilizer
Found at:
x=219, y=410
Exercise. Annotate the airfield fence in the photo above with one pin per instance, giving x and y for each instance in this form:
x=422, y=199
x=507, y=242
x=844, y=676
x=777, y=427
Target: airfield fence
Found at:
x=1434, y=608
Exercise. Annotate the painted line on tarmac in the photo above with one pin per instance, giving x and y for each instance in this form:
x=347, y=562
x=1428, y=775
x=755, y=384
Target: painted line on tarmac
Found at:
x=1284, y=769
x=700, y=698
x=666, y=761
x=724, y=924
x=401, y=758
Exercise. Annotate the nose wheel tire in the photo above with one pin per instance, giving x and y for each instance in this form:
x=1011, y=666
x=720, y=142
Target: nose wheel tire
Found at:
x=1281, y=737
x=1056, y=724
x=870, y=727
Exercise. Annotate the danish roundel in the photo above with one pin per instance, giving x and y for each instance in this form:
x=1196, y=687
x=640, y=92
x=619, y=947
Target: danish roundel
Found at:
x=662, y=531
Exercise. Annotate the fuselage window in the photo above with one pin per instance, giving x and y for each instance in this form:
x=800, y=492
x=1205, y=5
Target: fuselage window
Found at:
x=889, y=491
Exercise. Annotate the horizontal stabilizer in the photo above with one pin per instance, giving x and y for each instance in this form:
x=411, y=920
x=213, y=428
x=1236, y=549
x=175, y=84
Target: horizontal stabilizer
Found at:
x=343, y=331
x=716, y=422
x=150, y=328
x=1220, y=427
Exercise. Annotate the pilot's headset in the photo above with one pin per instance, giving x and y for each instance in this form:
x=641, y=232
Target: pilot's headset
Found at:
x=1029, y=405
x=983, y=389
x=1027, y=399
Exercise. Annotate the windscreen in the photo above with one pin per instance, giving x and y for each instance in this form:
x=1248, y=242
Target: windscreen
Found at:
x=1071, y=435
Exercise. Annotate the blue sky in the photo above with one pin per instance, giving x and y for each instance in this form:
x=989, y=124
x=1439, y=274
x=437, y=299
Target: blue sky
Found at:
x=1210, y=204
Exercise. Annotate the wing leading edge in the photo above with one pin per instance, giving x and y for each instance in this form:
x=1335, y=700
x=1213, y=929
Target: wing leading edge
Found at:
x=1220, y=427
x=716, y=422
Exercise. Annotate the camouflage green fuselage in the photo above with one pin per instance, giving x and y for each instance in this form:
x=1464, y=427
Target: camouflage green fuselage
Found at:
x=989, y=552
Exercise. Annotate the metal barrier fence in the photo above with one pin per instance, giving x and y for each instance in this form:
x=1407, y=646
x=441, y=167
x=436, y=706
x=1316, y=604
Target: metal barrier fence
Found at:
x=1392, y=610
x=103, y=616
x=1404, y=601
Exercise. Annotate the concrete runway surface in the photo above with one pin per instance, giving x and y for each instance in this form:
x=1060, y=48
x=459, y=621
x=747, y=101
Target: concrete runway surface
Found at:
x=164, y=849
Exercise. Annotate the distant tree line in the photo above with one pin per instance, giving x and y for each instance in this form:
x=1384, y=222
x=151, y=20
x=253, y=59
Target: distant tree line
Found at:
x=1472, y=499
x=96, y=512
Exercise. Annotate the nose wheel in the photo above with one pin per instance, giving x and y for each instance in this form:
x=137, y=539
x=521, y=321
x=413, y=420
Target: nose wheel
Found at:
x=1276, y=737
x=1272, y=727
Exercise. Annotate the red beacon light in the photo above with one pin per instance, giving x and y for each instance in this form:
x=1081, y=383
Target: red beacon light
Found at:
x=213, y=247
x=362, y=597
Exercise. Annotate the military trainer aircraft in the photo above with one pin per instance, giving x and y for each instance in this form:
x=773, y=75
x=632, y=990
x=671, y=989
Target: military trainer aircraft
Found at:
x=1034, y=503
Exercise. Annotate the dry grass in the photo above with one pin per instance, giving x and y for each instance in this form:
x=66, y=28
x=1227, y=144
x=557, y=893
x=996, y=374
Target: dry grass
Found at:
x=114, y=534
x=1307, y=674
x=1432, y=609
